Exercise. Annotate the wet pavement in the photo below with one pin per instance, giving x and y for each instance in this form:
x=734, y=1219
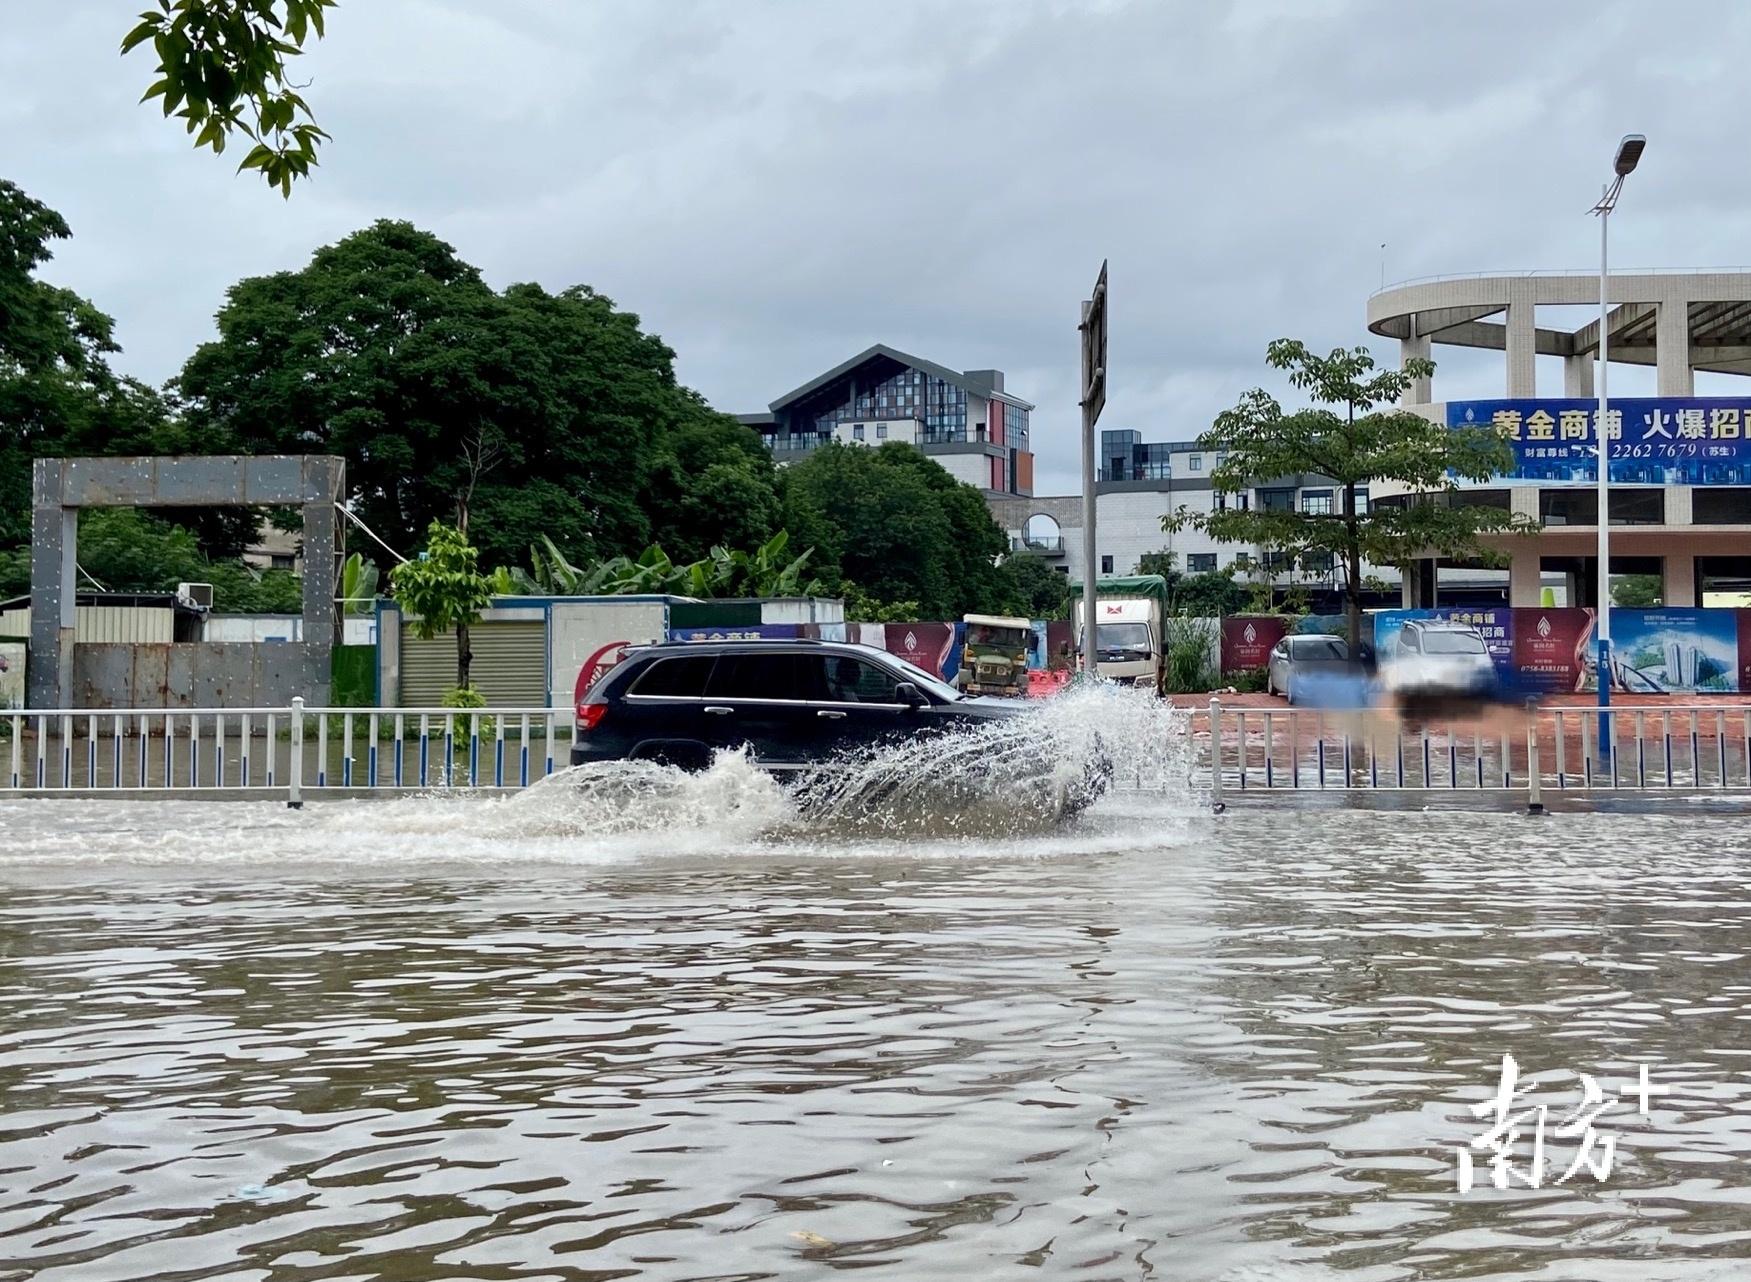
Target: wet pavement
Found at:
x=511, y=1040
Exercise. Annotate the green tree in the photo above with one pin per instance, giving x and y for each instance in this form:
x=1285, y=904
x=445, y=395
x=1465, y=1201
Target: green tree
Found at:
x=712, y=484
x=1035, y=590
x=1354, y=436
x=222, y=70
x=1164, y=563
x=1636, y=590
x=508, y=415
x=895, y=523
x=444, y=591
x=124, y=550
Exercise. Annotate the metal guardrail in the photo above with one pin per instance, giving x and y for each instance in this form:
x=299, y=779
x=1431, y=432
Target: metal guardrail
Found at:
x=1675, y=748
x=295, y=751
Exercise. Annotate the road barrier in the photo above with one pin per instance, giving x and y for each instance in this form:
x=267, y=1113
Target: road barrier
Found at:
x=294, y=751
x=1671, y=748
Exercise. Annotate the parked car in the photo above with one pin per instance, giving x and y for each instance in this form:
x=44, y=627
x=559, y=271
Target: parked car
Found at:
x=794, y=705
x=1297, y=658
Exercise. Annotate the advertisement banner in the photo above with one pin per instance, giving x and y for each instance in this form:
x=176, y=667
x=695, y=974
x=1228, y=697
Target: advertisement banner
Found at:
x=1553, y=649
x=1664, y=440
x=1247, y=640
x=1675, y=650
x=1743, y=618
x=930, y=646
x=746, y=632
x=11, y=675
x=1060, y=645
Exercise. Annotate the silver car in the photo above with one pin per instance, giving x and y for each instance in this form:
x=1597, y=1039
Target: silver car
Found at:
x=1302, y=656
x=1433, y=653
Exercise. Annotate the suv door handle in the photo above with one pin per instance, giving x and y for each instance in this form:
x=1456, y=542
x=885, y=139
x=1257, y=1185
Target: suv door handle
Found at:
x=718, y=710
x=830, y=714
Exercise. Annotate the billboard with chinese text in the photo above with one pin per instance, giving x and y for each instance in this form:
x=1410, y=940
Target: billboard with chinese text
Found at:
x=1539, y=650
x=1665, y=440
x=1247, y=640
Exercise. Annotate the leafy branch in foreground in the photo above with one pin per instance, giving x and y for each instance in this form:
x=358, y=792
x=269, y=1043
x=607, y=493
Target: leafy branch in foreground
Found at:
x=222, y=69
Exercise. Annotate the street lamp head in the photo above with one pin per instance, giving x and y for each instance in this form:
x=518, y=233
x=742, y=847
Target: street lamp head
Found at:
x=1629, y=152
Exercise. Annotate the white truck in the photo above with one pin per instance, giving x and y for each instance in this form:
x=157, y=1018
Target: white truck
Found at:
x=1129, y=645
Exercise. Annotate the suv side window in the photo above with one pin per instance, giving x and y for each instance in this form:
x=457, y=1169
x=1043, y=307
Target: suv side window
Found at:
x=854, y=681
x=678, y=678
x=760, y=676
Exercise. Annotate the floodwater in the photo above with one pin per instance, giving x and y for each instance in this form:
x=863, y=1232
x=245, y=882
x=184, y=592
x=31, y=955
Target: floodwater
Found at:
x=677, y=1034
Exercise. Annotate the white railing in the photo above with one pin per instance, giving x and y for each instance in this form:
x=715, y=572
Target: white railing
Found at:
x=1671, y=748
x=1592, y=272
x=293, y=751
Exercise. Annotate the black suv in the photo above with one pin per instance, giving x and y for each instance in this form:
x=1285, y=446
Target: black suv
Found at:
x=793, y=704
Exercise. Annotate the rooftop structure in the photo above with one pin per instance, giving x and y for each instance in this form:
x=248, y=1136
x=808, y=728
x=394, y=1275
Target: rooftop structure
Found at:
x=966, y=420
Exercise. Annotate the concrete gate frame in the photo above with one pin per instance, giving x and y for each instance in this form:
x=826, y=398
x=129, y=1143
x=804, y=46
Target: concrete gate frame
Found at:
x=62, y=487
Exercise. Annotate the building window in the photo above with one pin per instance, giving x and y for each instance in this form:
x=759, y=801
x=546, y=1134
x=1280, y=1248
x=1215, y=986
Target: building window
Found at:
x=1197, y=463
x=1361, y=502
x=1317, y=563
x=881, y=431
x=1106, y=565
x=1201, y=563
x=1276, y=500
x=1276, y=562
x=1316, y=502
x=282, y=561
x=857, y=431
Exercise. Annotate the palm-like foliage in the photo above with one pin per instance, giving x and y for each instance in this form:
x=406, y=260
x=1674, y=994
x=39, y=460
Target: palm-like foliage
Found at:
x=764, y=572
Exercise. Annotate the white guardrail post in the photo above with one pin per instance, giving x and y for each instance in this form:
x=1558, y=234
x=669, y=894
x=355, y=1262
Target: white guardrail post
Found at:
x=1216, y=802
x=1534, y=783
x=295, y=767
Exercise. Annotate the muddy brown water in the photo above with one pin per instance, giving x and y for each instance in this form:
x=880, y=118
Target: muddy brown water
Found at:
x=415, y=1041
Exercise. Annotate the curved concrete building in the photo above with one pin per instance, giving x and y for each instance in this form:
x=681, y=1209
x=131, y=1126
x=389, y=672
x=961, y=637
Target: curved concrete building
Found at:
x=1680, y=464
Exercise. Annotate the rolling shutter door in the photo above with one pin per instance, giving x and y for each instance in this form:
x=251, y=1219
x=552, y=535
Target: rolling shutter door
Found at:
x=510, y=665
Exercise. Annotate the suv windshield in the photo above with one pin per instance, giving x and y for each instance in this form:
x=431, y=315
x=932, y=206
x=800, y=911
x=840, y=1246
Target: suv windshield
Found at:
x=1452, y=643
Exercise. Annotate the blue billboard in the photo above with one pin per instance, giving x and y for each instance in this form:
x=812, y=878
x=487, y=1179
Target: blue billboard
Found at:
x=1664, y=440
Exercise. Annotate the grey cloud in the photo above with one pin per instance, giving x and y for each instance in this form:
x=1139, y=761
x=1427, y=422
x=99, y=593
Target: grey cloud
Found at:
x=774, y=185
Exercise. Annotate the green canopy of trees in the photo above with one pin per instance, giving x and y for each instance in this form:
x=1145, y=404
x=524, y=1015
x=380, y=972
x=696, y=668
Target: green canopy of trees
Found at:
x=510, y=415
x=894, y=522
x=522, y=418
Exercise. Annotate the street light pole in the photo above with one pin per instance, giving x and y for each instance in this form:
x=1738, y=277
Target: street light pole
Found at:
x=1629, y=151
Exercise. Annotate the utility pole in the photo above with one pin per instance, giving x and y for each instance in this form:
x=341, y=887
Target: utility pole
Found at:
x=1093, y=331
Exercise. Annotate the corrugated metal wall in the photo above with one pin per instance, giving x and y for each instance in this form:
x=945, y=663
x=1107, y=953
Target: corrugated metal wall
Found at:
x=510, y=665
x=105, y=624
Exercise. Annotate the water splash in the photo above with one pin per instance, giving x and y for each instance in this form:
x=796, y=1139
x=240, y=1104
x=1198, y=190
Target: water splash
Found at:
x=997, y=787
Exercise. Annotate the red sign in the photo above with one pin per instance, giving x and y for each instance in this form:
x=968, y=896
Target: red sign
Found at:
x=924, y=644
x=1550, y=648
x=597, y=666
x=1247, y=640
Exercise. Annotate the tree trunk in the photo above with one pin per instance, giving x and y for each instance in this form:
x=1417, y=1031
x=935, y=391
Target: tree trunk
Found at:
x=1353, y=571
x=464, y=655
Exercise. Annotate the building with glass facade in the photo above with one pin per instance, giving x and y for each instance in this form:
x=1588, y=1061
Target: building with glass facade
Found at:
x=964, y=419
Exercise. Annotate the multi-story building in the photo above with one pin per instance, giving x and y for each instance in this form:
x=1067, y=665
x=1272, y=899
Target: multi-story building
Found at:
x=964, y=419
x=1142, y=482
x=1680, y=464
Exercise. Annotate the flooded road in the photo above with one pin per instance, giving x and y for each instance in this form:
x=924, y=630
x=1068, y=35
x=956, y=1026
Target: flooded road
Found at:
x=415, y=1040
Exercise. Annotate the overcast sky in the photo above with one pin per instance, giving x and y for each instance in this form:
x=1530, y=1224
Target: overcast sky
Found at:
x=773, y=185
